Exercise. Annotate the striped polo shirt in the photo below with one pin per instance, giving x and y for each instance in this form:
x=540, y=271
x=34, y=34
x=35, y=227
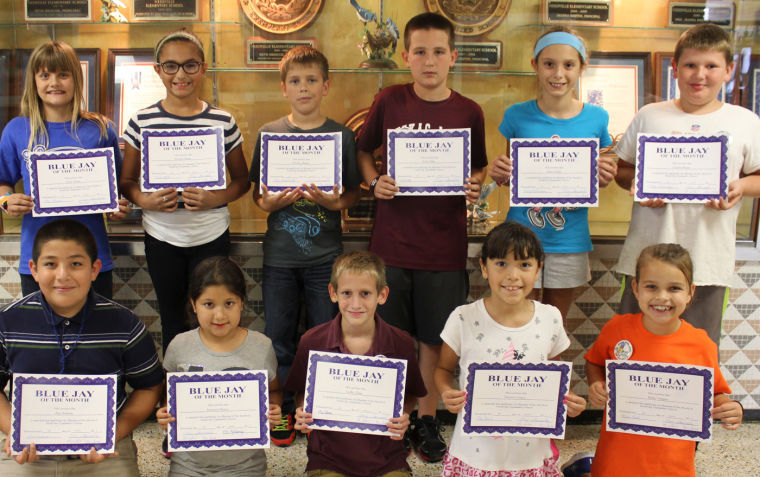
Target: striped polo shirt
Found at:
x=113, y=341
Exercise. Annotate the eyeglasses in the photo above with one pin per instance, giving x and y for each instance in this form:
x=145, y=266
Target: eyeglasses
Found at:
x=170, y=67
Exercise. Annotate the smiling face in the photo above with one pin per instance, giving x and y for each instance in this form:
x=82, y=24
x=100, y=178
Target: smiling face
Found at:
x=510, y=279
x=357, y=297
x=56, y=91
x=663, y=293
x=64, y=273
x=304, y=86
x=700, y=75
x=218, y=311
x=181, y=85
x=558, y=68
x=429, y=59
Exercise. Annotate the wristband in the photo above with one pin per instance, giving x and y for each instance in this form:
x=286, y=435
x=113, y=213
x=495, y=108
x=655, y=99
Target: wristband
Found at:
x=4, y=201
x=372, y=185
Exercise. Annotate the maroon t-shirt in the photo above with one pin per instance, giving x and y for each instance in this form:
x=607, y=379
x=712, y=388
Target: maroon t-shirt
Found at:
x=422, y=233
x=360, y=455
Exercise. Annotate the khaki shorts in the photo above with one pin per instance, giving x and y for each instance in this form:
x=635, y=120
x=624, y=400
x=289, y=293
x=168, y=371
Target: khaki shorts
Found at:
x=564, y=270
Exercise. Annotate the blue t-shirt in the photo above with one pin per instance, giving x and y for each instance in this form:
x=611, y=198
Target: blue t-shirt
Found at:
x=563, y=230
x=14, y=157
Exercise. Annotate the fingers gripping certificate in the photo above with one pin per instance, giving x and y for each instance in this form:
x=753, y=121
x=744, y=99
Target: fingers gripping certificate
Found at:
x=554, y=172
x=73, y=182
x=63, y=413
x=517, y=399
x=218, y=410
x=350, y=393
x=429, y=161
x=189, y=157
x=289, y=160
x=681, y=168
x=656, y=399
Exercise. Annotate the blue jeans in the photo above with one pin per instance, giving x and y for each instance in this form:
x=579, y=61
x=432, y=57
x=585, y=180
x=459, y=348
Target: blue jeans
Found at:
x=281, y=288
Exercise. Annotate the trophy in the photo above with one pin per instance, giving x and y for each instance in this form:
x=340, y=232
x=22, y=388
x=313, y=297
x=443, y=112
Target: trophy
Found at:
x=378, y=43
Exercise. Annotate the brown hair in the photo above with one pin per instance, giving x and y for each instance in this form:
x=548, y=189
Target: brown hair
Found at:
x=180, y=35
x=705, y=37
x=429, y=21
x=359, y=262
x=303, y=55
x=670, y=253
x=569, y=30
x=65, y=229
x=55, y=56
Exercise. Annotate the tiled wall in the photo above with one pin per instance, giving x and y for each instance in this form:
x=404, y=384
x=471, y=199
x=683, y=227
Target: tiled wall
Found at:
x=739, y=345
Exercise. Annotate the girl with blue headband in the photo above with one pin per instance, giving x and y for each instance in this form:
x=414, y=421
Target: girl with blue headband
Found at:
x=559, y=59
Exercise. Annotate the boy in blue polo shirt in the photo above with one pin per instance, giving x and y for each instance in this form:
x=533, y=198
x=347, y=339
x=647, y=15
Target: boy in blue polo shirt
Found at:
x=66, y=328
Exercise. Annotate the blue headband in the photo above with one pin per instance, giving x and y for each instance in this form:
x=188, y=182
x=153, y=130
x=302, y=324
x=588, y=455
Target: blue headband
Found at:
x=560, y=38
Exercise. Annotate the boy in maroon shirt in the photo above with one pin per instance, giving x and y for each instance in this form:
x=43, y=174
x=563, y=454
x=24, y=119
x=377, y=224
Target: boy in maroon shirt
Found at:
x=423, y=239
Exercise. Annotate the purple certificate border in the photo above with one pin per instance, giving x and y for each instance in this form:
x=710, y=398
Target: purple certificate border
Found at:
x=723, y=140
x=111, y=206
x=613, y=424
x=592, y=199
x=429, y=133
x=398, y=365
x=171, y=391
x=109, y=381
x=146, y=185
x=559, y=427
x=336, y=137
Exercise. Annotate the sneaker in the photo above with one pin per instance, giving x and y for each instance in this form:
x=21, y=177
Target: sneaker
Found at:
x=535, y=218
x=165, y=447
x=283, y=434
x=578, y=465
x=427, y=439
x=407, y=440
x=556, y=219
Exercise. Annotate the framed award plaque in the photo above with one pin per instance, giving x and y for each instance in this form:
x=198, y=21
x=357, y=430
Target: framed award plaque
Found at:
x=471, y=18
x=275, y=17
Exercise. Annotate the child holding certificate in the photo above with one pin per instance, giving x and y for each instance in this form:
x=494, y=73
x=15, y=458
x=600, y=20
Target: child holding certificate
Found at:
x=357, y=285
x=664, y=287
x=217, y=293
x=423, y=238
x=505, y=327
x=702, y=62
x=560, y=57
x=52, y=119
x=66, y=328
x=181, y=227
x=303, y=234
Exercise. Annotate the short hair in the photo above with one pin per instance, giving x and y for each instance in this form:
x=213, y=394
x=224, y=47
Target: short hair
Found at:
x=359, y=261
x=65, y=229
x=670, y=253
x=565, y=29
x=511, y=236
x=304, y=55
x=429, y=21
x=215, y=271
x=180, y=35
x=705, y=36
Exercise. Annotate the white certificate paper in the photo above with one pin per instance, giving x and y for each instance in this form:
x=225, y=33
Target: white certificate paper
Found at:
x=517, y=399
x=73, y=182
x=429, y=161
x=63, y=413
x=351, y=393
x=681, y=168
x=289, y=160
x=660, y=399
x=554, y=172
x=218, y=410
x=186, y=157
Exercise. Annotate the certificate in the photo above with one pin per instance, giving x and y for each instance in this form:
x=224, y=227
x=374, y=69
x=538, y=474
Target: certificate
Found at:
x=187, y=157
x=218, y=410
x=350, y=393
x=289, y=160
x=63, y=413
x=554, y=172
x=73, y=182
x=681, y=168
x=517, y=399
x=429, y=161
x=136, y=85
x=656, y=399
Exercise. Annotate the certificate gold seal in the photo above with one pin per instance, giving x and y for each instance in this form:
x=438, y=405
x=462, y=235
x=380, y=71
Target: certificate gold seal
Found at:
x=281, y=16
x=471, y=17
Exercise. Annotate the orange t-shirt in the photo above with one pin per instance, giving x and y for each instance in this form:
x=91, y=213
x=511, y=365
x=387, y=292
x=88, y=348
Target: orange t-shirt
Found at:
x=621, y=455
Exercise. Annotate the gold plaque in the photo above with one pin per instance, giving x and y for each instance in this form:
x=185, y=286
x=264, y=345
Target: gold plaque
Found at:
x=471, y=17
x=281, y=16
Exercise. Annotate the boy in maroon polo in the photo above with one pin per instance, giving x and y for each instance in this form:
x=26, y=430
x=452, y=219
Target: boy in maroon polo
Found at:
x=357, y=285
x=423, y=240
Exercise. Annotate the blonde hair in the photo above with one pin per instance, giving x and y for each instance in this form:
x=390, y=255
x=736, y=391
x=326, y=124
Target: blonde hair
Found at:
x=670, y=253
x=359, y=262
x=55, y=56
